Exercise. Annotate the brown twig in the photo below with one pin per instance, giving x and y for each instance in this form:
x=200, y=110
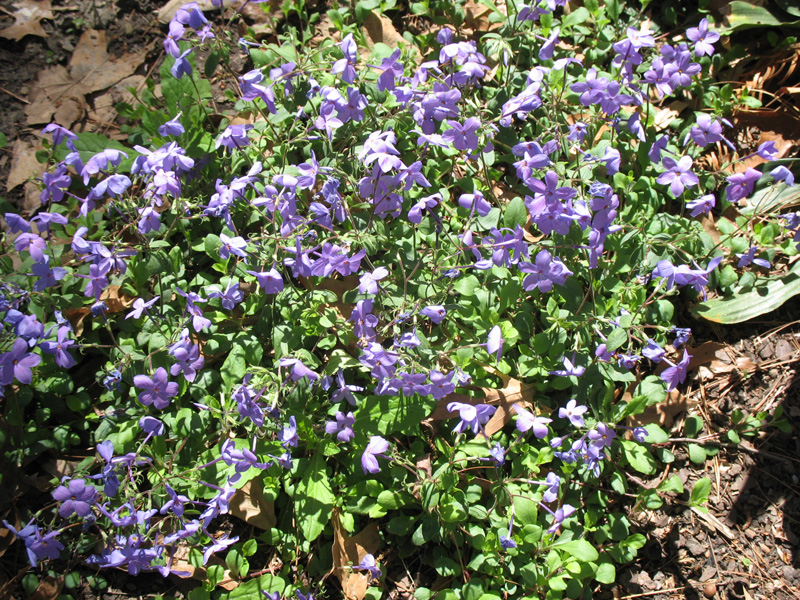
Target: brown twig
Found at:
x=13, y=95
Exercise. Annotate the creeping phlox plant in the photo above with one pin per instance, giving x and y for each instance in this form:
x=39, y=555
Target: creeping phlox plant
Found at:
x=404, y=286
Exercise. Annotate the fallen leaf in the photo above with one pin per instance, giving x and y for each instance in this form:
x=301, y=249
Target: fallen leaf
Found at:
x=476, y=16
x=380, y=29
x=115, y=301
x=663, y=413
x=349, y=551
x=166, y=12
x=104, y=113
x=513, y=392
x=49, y=588
x=250, y=505
x=181, y=567
x=27, y=19
x=23, y=163
x=91, y=69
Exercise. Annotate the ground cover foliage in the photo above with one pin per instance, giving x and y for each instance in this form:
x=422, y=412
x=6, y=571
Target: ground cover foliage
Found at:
x=394, y=304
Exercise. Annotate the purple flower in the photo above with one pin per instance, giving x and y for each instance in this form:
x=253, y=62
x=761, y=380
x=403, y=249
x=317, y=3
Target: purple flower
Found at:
x=232, y=245
x=475, y=202
x=151, y=426
x=675, y=374
x=781, y=173
x=60, y=348
x=76, y=498
x=569, y=370
x=234, y=136
x=156, y=390
x=702, y=205
x=681, y=336
x=473, y=416
x=703, y=38
x=741, y=185
x=47, y=276
x=628, y=361
x=342, y=426
x=172, y=127
x=182, y=66
x=140, y=306
x=441, y=384
x=526, y=421
x=566, y=511
x=230, y=297
x=591, y=90
x=368, y=564
x=298, y=369
x=748, y=258
x=545, y=272
x=17, y=363
x=654, y=154
x=435, y=312
x=217, y=546
x=463, y=137
x=270, y=281
x=767, y=150
x=377, y=447
x=678, y=175
x=494, y=345
x=708, y=130
x=426, y=204
x=346, y=65
x=653, y=351
x=573, y=412
x=368, y=283
x=59, y=134
x=602, y=436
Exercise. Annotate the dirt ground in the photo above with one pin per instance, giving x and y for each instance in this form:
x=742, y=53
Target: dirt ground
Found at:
x=746, y=547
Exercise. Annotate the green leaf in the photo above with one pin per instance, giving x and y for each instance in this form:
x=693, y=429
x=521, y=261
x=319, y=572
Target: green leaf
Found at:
x=639, y=457
x=234, y=368
x=767, y=295
x=515, y=214
x=606, y=573
x=744, y=15
x=673, y=484
x=580, y=549
x=314, y=498
x=616, y=339
x=700, y=492
x=655, y=435
x=697, y=453
x=467, y=285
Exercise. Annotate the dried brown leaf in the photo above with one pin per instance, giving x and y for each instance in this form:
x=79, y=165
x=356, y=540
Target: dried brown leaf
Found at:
x=250, y=505
x=663, y=413
x=513, y=392
x=91, y=69
x=49, y=588
x=27, y=19
x=349, y=551
x=23, y=163
x=381, y=29
x=166, y=12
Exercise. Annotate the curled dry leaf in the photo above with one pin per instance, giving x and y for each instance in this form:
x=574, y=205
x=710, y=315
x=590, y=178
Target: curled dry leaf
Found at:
x=49, y=588
x=166, y=12
x=380, y=29
x=513, y=392
x=24, y=165
x=91, y=69
x=250, y=505
x=115, y=300
x=349, y=551
x=28, y=15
